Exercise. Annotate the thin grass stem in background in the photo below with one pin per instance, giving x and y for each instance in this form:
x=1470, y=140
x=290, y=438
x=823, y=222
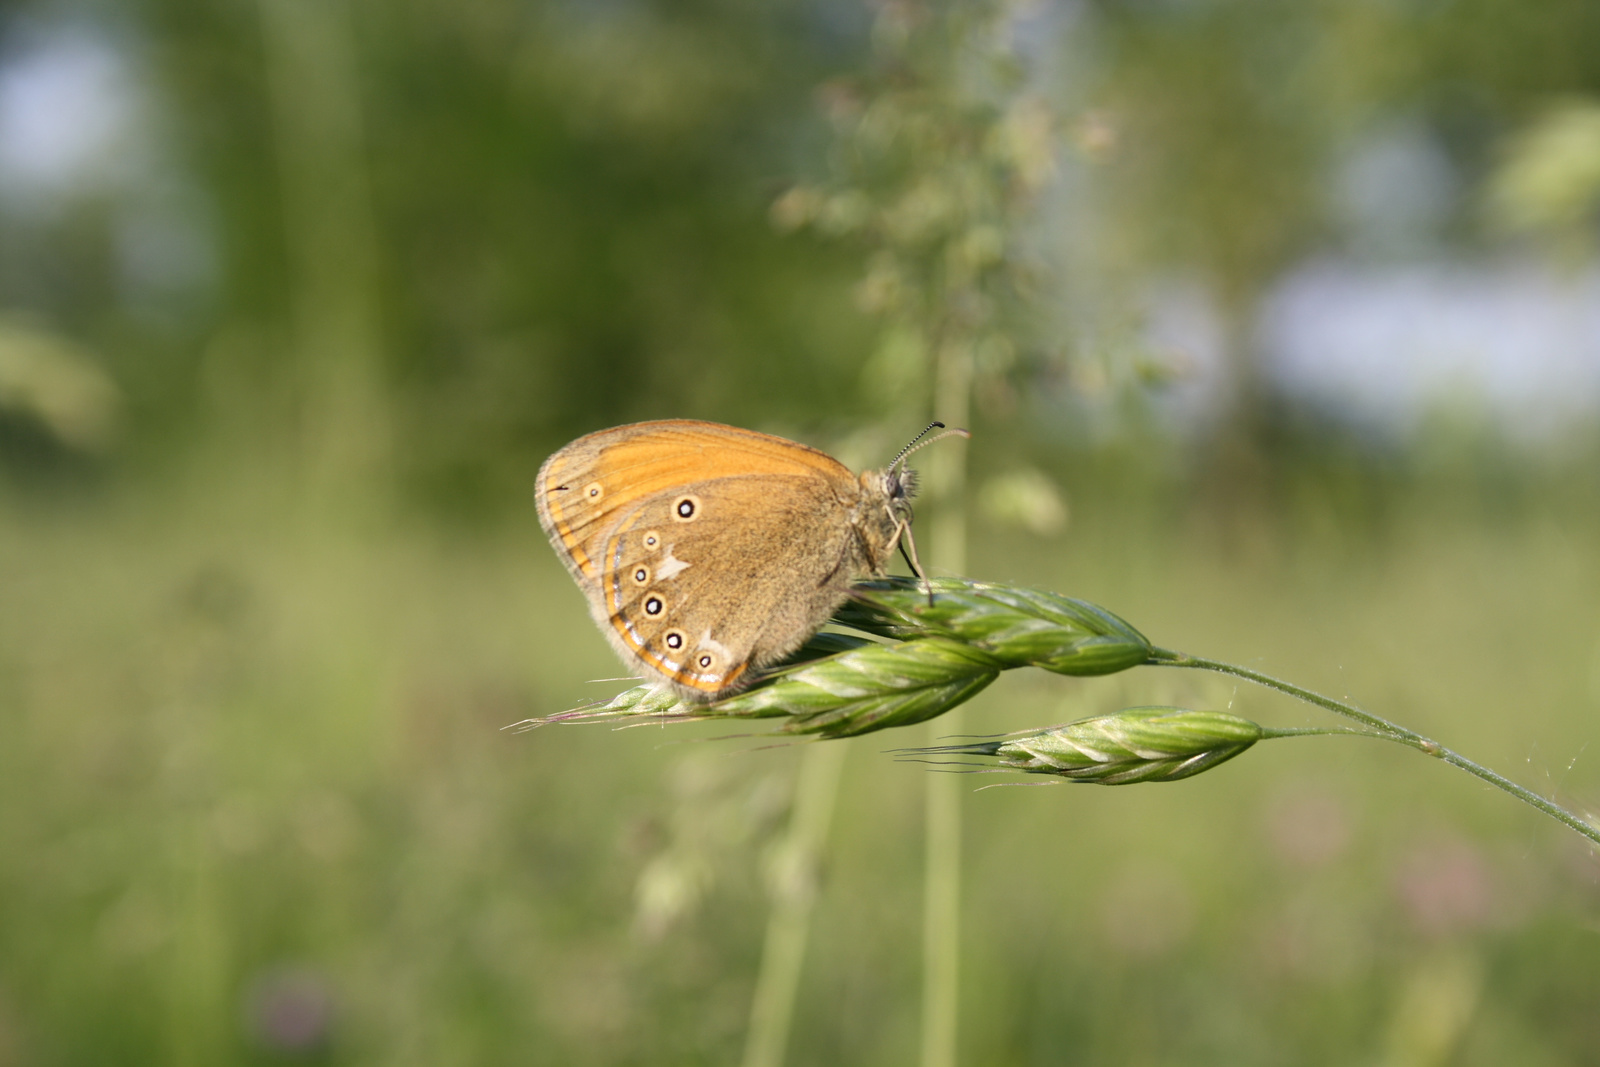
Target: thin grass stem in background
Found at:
x=794, y=882
x=330, y=238
x=941, y=897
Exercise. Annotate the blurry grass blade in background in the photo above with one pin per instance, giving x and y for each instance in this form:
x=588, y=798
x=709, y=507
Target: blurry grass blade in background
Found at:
x=1025, y=498
x=50, y=379
x=330, y=230
x=1548, y=182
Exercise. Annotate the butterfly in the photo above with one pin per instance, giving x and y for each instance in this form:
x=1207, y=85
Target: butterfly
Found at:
x=708, y=552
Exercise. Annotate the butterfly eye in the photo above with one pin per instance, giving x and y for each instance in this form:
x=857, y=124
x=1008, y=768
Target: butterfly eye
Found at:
x=674, y=640
x=641, y=575
x=594, y=491
x=686, y=507
x=654, y=606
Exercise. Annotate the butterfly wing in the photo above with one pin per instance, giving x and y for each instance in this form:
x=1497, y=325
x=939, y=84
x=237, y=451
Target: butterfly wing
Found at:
x=705, y=551
x=706, y=600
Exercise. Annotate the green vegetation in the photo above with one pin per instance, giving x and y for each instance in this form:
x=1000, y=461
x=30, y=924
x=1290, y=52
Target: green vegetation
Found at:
x=278, y=365
x=234, y=744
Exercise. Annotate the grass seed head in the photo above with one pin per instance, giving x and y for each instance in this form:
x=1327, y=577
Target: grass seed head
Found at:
x=872, y=687
x=938, y=656
x=835, y=686
x=1019, y=627
x=1150, y=744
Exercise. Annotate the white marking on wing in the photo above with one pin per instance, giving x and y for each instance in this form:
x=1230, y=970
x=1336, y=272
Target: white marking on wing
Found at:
x=671, y=566
x=718, y=647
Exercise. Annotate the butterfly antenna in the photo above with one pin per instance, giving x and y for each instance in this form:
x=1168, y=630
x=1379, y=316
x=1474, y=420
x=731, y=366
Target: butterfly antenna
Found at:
x=906, y=451
x=917, y=442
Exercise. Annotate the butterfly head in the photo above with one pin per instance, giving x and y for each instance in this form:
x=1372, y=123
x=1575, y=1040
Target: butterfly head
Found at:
x=894, y=486
x=900, y=481
x=898, y=485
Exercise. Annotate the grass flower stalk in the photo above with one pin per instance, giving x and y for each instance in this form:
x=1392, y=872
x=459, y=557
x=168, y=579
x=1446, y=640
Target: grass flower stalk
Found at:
x=930, y=658
x=1380, y=727
x=1148, y=744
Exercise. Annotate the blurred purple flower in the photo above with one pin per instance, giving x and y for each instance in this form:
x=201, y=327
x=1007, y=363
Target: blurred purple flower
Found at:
x=290, y=1009
x=1446, y=887
x=1308, y=827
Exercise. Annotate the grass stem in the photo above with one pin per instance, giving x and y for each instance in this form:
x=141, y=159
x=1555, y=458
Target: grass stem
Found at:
x=1382, y=727
x=793, y=898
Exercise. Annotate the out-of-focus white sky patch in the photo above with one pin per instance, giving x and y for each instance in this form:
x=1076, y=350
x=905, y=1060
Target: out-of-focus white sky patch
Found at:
x=1388, y=328
x=70, y=113
x=76, y=122
x=1385, y=346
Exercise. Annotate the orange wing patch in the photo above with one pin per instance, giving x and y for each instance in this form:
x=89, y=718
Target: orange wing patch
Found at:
x=594, y=477
x=555, y=494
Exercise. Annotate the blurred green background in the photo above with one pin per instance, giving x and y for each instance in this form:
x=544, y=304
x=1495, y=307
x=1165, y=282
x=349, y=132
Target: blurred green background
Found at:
x=1283, y=326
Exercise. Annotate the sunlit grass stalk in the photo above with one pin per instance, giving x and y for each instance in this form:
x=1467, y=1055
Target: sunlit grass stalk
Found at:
x=941, y=654
x=1149, y=744
x=1388, y=730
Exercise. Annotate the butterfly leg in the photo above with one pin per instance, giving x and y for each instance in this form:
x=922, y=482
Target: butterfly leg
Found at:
x=902, y=536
